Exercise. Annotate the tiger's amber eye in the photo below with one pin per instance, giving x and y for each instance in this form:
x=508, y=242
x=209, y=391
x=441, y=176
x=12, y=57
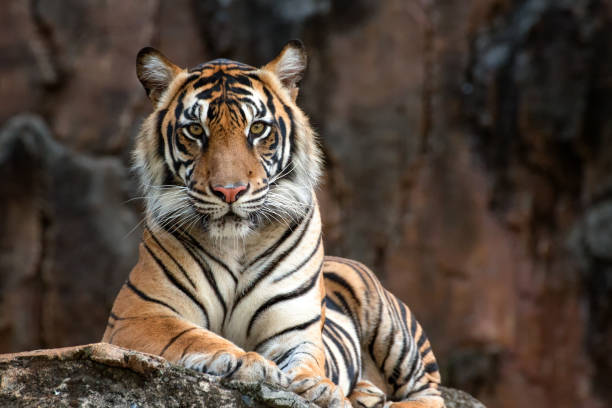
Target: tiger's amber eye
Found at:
x=196, y=129
x=257, y=128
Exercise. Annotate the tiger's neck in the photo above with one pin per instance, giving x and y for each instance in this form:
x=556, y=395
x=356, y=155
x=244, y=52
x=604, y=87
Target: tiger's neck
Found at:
x=233, y=277
x=264, y=242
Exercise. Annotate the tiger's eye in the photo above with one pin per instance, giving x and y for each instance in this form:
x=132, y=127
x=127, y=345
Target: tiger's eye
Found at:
x=196, y=129
x=257, y=128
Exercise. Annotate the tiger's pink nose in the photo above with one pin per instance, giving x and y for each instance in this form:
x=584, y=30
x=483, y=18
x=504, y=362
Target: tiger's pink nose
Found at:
x=229, y=193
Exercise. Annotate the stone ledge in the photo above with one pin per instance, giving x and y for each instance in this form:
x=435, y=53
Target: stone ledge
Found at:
x=100, y=374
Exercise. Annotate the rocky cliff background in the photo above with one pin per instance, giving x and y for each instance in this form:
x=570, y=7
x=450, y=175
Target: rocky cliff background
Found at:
x=469, y=161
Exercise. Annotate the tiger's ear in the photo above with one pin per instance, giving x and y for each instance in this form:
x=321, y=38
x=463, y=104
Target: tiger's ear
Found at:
x=289, y=65
x=155, y=72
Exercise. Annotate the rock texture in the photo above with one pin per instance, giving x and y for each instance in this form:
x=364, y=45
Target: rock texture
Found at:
x=469, y=162
x=102, y=375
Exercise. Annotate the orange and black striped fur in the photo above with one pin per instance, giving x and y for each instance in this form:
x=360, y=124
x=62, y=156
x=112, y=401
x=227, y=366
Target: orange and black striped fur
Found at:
x=232, y=278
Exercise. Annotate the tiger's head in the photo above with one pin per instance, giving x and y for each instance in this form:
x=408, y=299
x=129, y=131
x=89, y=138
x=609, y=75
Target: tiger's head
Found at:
x=226, y=149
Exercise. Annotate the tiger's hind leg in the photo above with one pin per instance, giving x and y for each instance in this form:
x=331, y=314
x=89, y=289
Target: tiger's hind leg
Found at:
x=397, y=355
x=367, y=395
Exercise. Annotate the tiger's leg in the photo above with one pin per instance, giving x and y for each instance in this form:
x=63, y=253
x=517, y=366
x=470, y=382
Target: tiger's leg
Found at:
x=186, y=344
x=142, y=321
x=301, y=355
x=302, y=359
x=391, y=338
x=416, y=386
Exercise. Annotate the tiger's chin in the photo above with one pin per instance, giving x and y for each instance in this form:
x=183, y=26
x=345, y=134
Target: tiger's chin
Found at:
x=229, y=227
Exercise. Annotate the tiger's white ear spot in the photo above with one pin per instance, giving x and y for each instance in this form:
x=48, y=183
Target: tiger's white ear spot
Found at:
x=155, y=72
x=290, y=64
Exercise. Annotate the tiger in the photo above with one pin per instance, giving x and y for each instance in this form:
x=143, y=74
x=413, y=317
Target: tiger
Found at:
x=231, y=278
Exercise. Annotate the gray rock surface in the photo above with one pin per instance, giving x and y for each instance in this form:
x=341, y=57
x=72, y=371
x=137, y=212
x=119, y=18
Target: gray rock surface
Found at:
x=101, y=375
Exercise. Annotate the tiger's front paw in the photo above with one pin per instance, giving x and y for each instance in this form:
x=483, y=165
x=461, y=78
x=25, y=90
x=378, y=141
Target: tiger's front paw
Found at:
x=253, y=367
x=367, y=395
x=319, y=390
x=248, y=367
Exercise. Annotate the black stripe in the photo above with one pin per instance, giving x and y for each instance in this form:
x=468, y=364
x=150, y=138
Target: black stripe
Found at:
x=171, y=143
x=179, y=105
x=389, y=343
x=415, y=362
x=357, y=268
x=181, y=148
x=240, y=91
x=422, y=339
x=431, y=368
x=207, y=80
x=269, y=101
x=273, y=264
x=334, y=277
x=205, y=268
x=334, y=369
x=305, y=288
x=376, y=329
x=393, y=330
x=347, y=309
x=160, y=140
x=282, y=129
x=288, y=232
x=254, y=200
x=336, y=327
x=172, y=340
x=395, y=373
x=148, y=298
x=341, y=345
x=176, y=283
x=171, y=258
x=211, y=256
x=404, y=311
x=421, y=388
x=281, y=359
x=318, y=395
x=331, y=305
x=304, y=262
x=206, y=94
x=302, y=326
x=291, y=127
x=413, y=325
x=191, y=114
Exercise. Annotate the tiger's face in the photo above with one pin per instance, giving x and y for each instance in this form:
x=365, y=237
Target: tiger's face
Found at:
x=226, y=150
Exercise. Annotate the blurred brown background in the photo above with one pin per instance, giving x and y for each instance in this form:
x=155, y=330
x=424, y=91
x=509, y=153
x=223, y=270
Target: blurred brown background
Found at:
x=469, y=161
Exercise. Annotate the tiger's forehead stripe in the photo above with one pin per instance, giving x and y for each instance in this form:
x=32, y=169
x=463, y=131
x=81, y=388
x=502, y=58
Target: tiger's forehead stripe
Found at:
x=222, y=62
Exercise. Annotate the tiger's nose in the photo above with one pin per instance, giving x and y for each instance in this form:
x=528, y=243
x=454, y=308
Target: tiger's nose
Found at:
x=230, y=192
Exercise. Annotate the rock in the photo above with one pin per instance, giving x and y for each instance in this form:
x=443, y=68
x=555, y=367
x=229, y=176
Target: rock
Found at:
x=459, y=399
x=100, y=374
